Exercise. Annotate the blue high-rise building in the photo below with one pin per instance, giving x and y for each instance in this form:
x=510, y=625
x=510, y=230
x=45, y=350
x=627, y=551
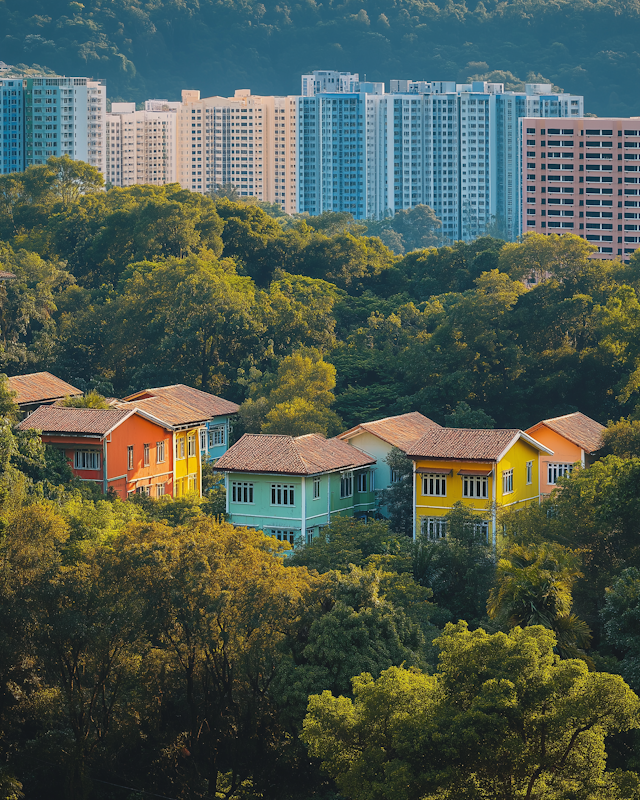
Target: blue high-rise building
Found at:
x=454, y=147
x=11, y=125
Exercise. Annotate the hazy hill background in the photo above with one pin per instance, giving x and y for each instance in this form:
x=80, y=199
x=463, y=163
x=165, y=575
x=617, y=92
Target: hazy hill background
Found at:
x=156, y=48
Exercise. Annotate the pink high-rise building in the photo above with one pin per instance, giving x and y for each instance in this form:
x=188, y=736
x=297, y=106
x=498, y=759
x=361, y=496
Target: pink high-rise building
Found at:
x=582, y=176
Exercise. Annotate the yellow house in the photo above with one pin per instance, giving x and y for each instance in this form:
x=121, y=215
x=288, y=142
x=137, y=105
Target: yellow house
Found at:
x=485, y=469
x=187, y=423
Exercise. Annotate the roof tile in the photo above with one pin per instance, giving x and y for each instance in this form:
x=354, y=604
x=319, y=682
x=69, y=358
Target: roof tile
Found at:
x=463, y=443
x=302, y=455
x=166, y=409
x=400, y=431
x=40, y=387
x=59, y=419
x=583, y=431
x=209, y=404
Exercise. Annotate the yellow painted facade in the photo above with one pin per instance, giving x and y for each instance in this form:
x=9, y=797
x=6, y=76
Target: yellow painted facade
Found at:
x=187, y=462
x=511, y=482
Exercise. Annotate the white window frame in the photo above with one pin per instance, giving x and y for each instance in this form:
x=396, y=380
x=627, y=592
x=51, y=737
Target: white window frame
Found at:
x=179, y=448
x=160, y=452
x=558, y=470
x=507, y=481
x=283, y=494
x=346, y=485
x=146, y=455
x=475, y=486
x=192, y=482
x=130, y=456
x=192, y=449
x=284, y=535
x=480, y=527
x=394, y=475
x=434, y=485
x=316, y=488
x=87, y=459
x=160, y=489
x=434, y=528
x=529, y=467
x=362, y=481
x=242, y=492
x=216, y=436
x=203, y=439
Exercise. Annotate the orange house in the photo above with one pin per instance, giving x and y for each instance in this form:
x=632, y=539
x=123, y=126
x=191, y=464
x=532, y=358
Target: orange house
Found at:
x=574, y=439
x=124, y=451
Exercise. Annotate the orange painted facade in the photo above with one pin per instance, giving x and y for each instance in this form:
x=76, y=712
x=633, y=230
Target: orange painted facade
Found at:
x=565, y=453
x=136, y=456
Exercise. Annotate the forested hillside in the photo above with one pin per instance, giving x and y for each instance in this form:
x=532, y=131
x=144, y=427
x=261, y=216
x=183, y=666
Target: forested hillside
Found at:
x=155, y=49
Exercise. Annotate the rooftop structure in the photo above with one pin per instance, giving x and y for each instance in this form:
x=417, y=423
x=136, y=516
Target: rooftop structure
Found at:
x=40, y=388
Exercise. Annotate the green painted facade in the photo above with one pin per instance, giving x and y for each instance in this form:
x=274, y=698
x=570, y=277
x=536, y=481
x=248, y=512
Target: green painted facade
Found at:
x=297, y=515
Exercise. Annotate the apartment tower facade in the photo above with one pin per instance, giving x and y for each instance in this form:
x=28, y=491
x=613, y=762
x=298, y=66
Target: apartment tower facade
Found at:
x=582, y=176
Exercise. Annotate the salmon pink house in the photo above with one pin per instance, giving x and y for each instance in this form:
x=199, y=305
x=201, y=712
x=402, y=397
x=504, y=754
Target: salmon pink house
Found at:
x=123, y=451
x=574, y=439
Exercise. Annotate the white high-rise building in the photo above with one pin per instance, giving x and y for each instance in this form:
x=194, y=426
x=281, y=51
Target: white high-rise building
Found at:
x=328, y=80
x=247, y=141
x=141, y=146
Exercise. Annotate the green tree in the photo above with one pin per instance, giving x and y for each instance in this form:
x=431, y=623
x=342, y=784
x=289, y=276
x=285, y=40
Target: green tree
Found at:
x=502, y=718
x=463, y=416
x=191, y=320
x=622, y=438
x=534, y=587
x=296, y=399
x=621, y=617
x=459, y=569
x=398, y=497
x=91, y=399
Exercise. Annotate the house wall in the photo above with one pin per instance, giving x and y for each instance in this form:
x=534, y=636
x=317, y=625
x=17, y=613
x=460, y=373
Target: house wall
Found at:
x=564, y=452
x=522, y=494
x=262, y=515
x=188, y=472
x=214, y=452
x=378, y=449
x=136, y=431
x=516, y=459
x=69, y=445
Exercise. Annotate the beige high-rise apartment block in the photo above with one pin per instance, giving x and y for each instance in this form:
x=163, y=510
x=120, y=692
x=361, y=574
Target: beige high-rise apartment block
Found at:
x=141, y=145
x=96, y=124
x=248, y=141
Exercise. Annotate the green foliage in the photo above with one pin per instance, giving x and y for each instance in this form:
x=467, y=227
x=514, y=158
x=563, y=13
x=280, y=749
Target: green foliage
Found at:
x=398, y=498
x=502, y=717
x=145, y=52
x=347, y=541
x=534, y=587
x=296, y=400
x=409, y=229
x=463, y=416
x=459, y=569
x=622, y=438
x=91, y=399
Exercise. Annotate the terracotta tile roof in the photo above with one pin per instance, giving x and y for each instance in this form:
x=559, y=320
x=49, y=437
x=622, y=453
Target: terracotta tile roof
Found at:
x=168, y=410
x=302, y=455
x=40, y=387
x=6, y=276
x=583, y=431
x=206, y=403
x=400, y=431
x=463, y=443
x=57, y=419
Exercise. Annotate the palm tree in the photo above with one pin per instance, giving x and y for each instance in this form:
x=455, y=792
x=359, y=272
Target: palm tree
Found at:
x=534, y=587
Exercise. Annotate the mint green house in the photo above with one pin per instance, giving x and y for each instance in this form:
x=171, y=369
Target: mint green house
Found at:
x=291, y=488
